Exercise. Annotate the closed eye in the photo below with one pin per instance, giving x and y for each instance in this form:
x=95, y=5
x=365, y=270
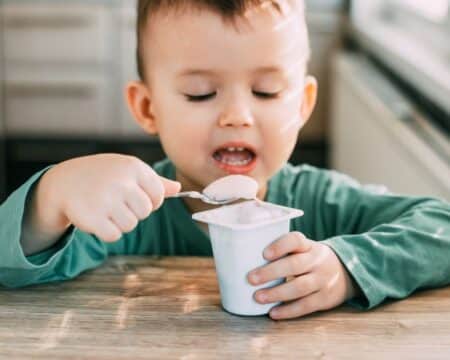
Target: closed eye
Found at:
x=198, y=98
x=264, y=95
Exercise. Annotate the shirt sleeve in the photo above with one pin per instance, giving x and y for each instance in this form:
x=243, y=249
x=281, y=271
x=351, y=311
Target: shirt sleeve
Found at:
x=74, y=253
x=392, y=245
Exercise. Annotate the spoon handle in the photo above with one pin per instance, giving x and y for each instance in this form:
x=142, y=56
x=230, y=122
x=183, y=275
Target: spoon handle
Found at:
x=192, y=194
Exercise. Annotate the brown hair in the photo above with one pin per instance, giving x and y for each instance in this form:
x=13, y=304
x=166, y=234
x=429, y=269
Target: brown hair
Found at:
x=228, y=9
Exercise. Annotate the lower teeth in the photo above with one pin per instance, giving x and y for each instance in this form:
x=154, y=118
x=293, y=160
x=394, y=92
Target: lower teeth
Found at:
x=237, y=163
x=229, y=160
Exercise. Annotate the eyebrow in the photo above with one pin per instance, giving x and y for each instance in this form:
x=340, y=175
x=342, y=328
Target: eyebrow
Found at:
x=191, y=72
x=269, y=69
x=205, y=72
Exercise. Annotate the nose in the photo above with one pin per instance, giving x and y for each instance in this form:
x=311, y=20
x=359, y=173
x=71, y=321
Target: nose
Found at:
x=236, y=114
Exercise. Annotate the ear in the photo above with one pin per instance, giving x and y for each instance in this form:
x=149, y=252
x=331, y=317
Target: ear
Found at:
x=139, y=104
x=309, y=98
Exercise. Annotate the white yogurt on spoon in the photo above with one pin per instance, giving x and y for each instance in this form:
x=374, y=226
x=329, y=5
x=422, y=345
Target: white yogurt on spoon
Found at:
x=232, y=187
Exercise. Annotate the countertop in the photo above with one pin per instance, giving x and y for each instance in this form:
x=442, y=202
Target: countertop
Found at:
x=169, y=308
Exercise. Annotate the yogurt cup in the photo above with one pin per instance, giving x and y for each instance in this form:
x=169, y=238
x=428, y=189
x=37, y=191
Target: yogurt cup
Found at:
x=239, y=234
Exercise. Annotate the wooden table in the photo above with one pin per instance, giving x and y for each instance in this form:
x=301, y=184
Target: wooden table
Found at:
x=169, y=308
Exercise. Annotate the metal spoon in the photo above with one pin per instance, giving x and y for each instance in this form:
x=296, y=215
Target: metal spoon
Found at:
x=203, y=197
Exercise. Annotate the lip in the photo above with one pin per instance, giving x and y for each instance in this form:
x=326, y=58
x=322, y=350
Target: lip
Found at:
x=234, y=169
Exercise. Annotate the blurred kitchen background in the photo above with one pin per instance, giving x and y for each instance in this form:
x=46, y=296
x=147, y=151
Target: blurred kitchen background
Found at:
x=383, y=68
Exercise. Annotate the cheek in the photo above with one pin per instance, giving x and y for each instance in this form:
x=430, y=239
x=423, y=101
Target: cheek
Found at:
x=180, y=121
x=181, y=137
x=180, y=130
x=283, y=119
x=281, y=126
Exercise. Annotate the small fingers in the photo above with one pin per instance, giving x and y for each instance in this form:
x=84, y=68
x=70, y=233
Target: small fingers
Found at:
x=301, y=307
x=155, y=186
x=108, y=231
x=170, y=187
x=294, y=242
x=123, y=218
x=299, y=287
x=97, y=224
x=139, y=203
x=151, y=184
x=292, y=265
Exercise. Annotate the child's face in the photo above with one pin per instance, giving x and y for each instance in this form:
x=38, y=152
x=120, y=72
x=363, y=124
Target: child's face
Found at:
x=211, y=86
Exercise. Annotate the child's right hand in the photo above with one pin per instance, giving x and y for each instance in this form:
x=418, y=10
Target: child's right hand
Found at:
x=105, y=195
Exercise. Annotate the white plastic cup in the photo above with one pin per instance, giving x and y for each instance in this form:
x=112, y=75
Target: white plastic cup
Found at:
x=238, y=240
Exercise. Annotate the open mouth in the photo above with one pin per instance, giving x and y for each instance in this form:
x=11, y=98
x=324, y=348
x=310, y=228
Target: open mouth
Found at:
x=235, y=158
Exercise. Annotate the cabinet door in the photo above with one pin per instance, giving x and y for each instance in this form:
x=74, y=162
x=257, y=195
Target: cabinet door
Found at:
x=2, y=145
x=376, y=140
x=56, y=105
x=325, y=33
x=127, y=26
x=323, y=45
x=55, y=33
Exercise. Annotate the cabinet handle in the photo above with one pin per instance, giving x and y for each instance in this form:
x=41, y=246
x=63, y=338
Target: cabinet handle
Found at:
x=50, y=90
x=46, y=22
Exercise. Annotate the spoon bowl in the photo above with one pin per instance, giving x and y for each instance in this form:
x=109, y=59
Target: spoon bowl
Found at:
x=225, y=190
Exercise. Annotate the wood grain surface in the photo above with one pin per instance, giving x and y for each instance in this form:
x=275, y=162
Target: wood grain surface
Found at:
x=169, y=308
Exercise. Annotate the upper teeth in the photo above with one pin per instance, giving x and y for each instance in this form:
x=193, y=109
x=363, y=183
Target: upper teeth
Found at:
x=234, y=149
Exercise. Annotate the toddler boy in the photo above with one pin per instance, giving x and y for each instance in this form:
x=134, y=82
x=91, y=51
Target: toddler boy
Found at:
x=224, y=86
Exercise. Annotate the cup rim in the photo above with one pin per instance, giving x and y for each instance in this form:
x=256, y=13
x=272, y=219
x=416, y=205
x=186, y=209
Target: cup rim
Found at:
x=291, y=213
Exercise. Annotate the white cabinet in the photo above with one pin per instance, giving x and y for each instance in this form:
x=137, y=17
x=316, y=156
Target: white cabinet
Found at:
x=2, y=145
x=58, y=68
x=325, y=5
x=1, y=80
x=55, y=33
x=56, y=104
x=379, y=138
x=324, y=22
x=127, y=26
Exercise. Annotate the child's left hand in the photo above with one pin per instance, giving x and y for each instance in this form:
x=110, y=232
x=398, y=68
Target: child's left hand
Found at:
x=318, y=281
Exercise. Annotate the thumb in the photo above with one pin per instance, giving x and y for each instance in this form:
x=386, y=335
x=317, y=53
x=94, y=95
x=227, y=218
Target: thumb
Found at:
x=170, y=187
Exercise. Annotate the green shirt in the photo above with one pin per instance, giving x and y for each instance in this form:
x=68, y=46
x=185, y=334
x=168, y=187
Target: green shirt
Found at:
x=391, y=245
